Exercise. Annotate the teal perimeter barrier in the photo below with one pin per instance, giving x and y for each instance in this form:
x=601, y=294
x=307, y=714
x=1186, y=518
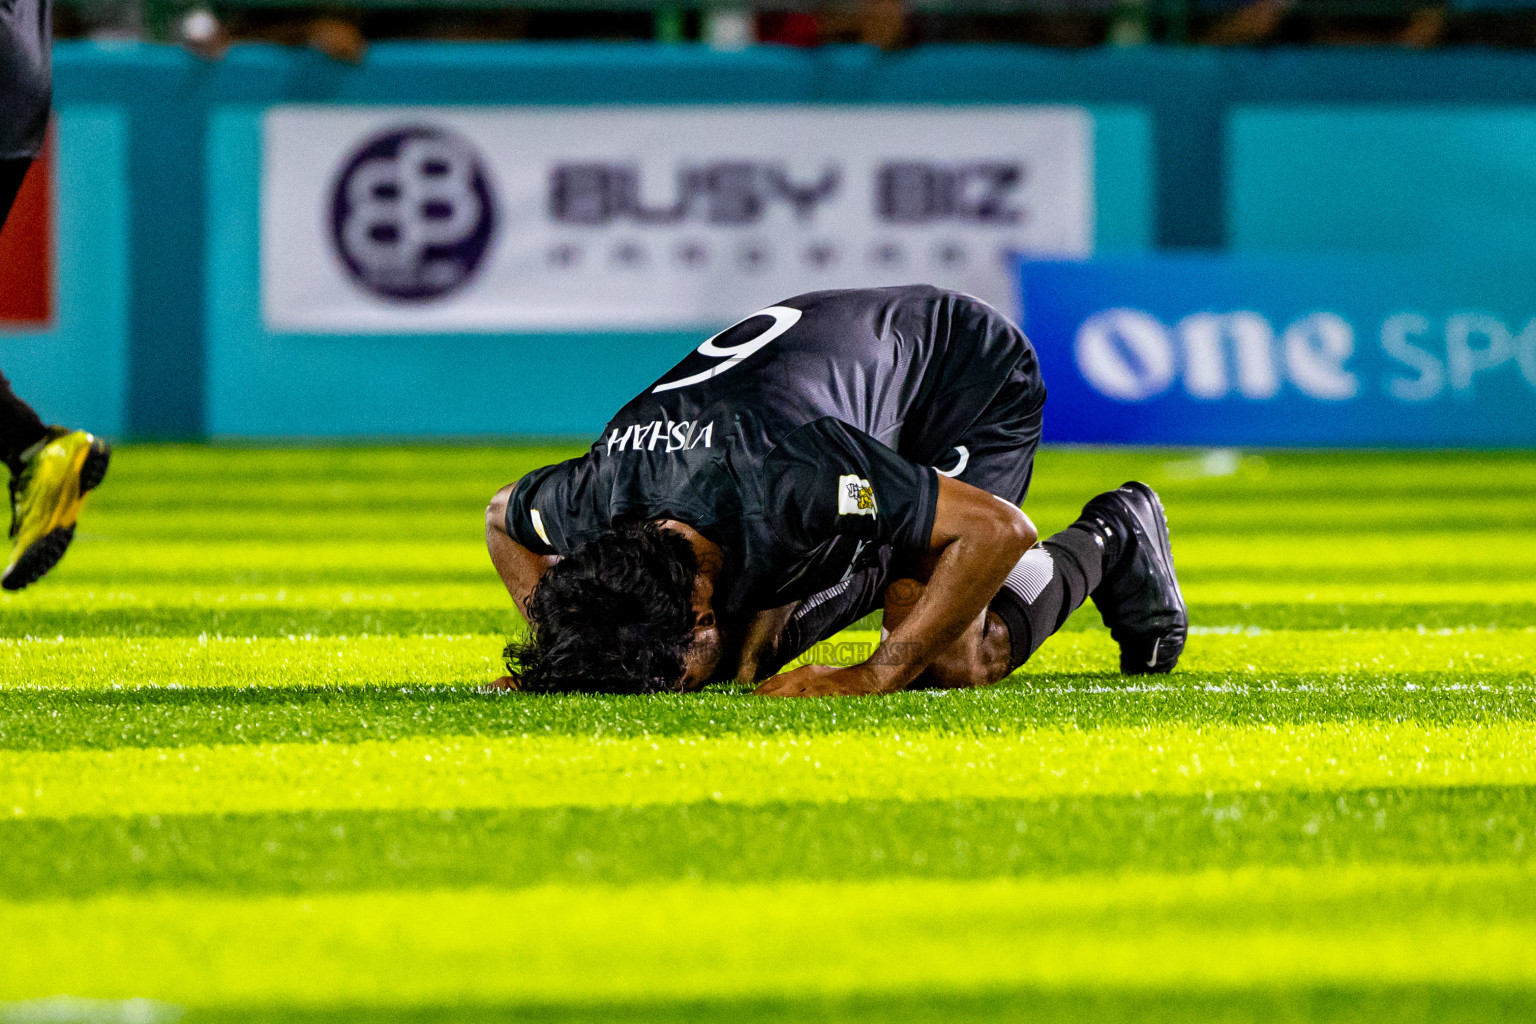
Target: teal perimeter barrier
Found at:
x=1195, y=149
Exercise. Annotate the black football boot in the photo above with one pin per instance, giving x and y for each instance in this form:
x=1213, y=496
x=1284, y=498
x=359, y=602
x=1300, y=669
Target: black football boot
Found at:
x=1139, y=596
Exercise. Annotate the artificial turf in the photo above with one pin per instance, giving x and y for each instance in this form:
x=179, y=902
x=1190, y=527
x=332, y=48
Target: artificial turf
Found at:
x=245, y=773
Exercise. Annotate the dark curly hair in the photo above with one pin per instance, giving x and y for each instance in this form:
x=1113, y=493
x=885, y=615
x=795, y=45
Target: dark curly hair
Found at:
x=613, y=616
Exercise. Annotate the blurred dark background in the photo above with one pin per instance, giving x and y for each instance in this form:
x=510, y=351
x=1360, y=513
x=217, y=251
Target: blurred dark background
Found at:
x=345, y=30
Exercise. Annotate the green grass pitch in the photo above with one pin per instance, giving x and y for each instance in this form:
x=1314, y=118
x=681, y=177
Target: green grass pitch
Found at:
x=245, y=774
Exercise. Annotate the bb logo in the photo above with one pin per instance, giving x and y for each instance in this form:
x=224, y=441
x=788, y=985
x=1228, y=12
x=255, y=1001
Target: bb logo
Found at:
x=412, y=214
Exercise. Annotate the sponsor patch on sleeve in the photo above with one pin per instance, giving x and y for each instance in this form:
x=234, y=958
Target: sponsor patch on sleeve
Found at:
x=855, y=497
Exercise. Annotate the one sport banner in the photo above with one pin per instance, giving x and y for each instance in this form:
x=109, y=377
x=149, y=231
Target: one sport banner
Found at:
x=1285, y=350
x=410, y=220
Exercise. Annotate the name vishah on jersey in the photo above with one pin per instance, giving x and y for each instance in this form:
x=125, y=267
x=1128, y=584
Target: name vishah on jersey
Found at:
x=684, y=435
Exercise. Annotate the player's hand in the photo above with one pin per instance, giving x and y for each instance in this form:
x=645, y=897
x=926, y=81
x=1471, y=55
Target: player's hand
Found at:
x=820, y=681
x=505, y=684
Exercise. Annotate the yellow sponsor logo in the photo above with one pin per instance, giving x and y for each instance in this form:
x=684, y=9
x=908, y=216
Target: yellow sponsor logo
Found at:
x=855, y=497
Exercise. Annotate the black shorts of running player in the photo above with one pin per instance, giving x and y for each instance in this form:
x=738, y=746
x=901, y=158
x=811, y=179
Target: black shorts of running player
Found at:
x=26, y=89
x=991, y=447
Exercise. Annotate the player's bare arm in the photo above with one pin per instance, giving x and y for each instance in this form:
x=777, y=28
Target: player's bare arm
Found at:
x=977, y=539
x=520, y=569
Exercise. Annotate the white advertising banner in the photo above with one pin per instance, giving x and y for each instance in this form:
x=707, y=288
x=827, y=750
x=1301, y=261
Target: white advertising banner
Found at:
x=406, y=219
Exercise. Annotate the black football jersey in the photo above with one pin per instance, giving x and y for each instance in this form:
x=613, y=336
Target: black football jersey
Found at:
x=801, y=440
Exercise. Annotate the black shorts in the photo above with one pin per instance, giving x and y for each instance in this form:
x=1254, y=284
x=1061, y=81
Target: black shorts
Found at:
x=26, y=76
x=992, y=448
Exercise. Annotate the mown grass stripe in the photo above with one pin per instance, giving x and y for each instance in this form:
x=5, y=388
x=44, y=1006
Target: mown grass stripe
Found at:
x=1361, y=1003
x=71, y=718
x=247, y=661
x=332, y=851
x=179, y=516
x=363, y=556
x=1383, y=924
x=550, y=771
x=1278, y=652
x=307, y=576
x=105, y=663
x=167, y=610
x=1360, y=589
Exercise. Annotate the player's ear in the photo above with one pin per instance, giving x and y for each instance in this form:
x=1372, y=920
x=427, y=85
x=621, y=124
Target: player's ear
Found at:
x=704, y=619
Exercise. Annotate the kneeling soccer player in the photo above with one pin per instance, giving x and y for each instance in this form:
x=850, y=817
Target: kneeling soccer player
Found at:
x=839, y=452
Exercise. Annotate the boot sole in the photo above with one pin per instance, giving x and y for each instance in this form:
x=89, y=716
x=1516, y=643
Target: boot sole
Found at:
x=44, y=553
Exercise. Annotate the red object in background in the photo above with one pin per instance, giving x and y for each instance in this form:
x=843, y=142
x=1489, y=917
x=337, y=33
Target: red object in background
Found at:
x=789, y=28
x=26, y=249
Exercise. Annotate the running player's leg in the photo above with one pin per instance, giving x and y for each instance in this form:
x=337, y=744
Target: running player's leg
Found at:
x=25, y=82
x=50, y=479
x=20, y=428
x=52, y=468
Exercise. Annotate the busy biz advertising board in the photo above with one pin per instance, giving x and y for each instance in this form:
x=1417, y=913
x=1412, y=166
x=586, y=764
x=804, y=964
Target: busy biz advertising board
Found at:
x=435, y=219
x=1276, y=350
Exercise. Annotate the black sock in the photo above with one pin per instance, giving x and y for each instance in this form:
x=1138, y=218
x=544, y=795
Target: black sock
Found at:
x=12, y=174
x=20, y=427
x=1050, y=582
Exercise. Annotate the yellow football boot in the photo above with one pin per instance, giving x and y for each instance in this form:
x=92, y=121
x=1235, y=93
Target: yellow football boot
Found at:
x=46, y=499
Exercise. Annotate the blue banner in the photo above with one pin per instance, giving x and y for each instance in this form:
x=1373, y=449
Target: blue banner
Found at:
x=1215, y=350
